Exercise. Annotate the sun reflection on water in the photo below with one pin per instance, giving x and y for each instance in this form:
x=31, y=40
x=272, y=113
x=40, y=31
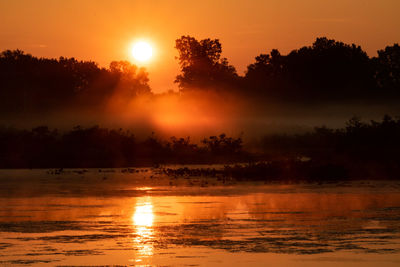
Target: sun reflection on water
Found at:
x=142, y=220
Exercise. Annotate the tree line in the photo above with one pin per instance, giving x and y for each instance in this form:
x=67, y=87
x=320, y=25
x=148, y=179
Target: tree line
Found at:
x=31, y=84
x=374, y=143
x=359, y=142
x=43, y=147
x=327, y=70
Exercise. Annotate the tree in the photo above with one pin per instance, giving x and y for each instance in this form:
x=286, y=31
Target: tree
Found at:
x=266, y=74
x=133, y=80
x=36, y=85
x=387, y=66
x=223, y=145
x=326, y=70
x=330, y=70
x=202, y=65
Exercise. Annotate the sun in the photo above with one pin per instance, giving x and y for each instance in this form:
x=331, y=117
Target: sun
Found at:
x=142, y=51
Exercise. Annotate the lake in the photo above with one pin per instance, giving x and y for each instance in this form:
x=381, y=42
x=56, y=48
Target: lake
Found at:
x=140, y=217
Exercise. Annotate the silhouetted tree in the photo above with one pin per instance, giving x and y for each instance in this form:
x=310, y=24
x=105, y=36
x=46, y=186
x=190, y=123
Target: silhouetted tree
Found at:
x=30, y=84
x=133, y=80
x=222, y=145
x=388, y=68
x=327, y=70
x=266, y=75
x=374, y=142
x=202, y=66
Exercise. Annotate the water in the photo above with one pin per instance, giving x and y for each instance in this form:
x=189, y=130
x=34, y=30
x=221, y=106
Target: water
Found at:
x=142, y=218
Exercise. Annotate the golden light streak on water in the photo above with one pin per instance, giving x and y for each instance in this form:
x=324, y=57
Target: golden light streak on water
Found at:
x=142, y=220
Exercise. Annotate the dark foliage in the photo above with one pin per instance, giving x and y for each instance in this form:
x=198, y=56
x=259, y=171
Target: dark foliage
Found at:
x=326, y=71
x=29, y=84
x=100, y=147
x=387, y=66
x=222, y=145
x=202, y=66
x=357, y=143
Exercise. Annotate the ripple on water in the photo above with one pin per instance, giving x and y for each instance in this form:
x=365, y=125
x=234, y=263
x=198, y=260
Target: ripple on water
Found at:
x=139, y=228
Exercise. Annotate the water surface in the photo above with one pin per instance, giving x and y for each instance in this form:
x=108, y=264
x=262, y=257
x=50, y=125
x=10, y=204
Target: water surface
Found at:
x=139, y=217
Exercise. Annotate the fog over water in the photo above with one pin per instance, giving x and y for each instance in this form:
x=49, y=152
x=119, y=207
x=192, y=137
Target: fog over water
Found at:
x=200, y=114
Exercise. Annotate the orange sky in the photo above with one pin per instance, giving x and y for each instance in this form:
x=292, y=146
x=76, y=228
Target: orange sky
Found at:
x=102, y=31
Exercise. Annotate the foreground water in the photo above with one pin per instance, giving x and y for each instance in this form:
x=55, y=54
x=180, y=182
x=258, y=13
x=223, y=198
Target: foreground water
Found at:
x=139, y=217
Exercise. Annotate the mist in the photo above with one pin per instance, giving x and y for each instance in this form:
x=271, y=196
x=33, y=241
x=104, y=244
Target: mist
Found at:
x=201, y=113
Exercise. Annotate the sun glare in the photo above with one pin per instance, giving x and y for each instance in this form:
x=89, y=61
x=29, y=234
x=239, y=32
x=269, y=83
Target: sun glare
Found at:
x=143, y=222
x=143, y=215
x=142, y=51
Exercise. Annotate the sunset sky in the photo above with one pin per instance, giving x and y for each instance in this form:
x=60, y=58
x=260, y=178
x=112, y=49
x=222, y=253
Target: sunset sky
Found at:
x=103, y=31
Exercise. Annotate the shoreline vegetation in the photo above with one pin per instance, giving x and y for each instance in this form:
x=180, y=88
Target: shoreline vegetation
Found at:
x=358, y=151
